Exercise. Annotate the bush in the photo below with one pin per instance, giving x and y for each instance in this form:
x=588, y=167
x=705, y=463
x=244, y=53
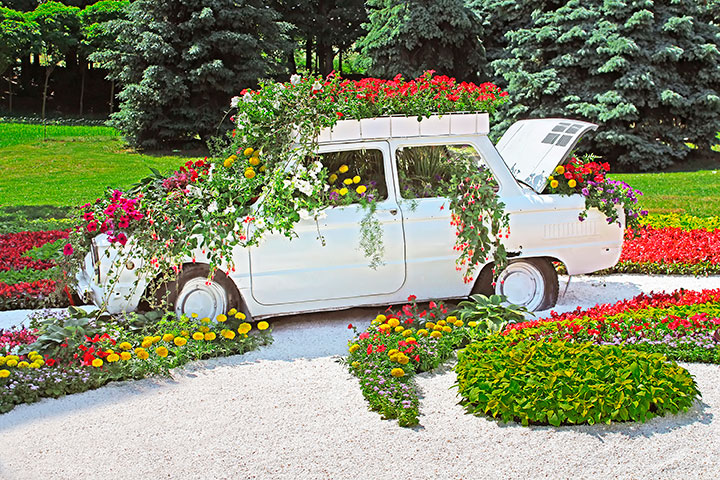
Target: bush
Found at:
x=560, y=383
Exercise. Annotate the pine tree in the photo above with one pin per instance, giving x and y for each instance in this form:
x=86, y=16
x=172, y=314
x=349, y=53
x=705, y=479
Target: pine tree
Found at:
x=648, y=72
x=409, y=37
x=180, y=62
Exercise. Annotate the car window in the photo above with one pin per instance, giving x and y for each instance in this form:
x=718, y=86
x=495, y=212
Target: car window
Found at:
x=355, y=175
x=426, y=171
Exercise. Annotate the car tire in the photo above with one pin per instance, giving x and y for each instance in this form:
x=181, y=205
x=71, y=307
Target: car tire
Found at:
x=529, y=282
x=192, y=292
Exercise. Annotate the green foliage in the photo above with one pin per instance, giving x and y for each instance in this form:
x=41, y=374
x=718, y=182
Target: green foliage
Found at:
x=561, y=383
x=682, y=221
x=95, y=35
x=33, y=219
x=660, y=268
x=647, y=74
x=409, y=38
x=17, y=34
x=59, y=26
x=492, y=314
x=180, y=61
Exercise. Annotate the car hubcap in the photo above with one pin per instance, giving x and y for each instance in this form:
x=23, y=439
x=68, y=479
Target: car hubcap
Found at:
x=206, y=298
x=522, y=284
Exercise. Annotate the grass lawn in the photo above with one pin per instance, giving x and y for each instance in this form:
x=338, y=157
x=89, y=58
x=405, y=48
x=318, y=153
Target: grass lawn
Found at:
x=73, y=166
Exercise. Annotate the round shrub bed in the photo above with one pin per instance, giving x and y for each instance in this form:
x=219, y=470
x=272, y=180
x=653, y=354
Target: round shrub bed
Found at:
x=558, y=382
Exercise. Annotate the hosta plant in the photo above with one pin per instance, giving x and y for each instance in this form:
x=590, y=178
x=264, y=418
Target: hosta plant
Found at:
x=491, y=314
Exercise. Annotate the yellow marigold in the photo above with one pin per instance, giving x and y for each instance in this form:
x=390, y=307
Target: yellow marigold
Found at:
x=168, y=337
x=332, y=178
x=447, y=329
x=180, y=341
x=263, y=325
x=205, y=320
x=254, y=161
x=343, y=168
x=40, y=362
x=125, y=356
x=229, y=161
x=407, y=333
x=429, y=325
x=210, y=336
x=459, y=323
x=4, y=373
x=262, y=168
x=399, y=329
x=572, y=183
x=381, y=317
x=384, y=326
x=125, y=346
x=343, y=191
x=393, y=322
x=356, y=179
x=354, y=348
x=472, y=324
x=34, y=365
x=347, y=181
x=198, y=336
x=221, y=318
x=232, y=312
x=194, y=315
x=11, y=363
x=560, y=170
x=411, y=340
x=393, y=351
x=436, y=334
x=403, y=359
x=23, y=364
x=397, y=372
x=438, y=327
x=451, y=319
x=422, y=332
x=204, y=328
x=355, y=364
x=229, y=334
x=138, y=350
x=554, y=184
x=142, y=354
x=249, y=173
x=113, y=357
x=2, y=361
x=248, y=151
x=185, y=333
x=361, y=189
x=34, y=357
x=394, y=357
x=34, y=352
x=442, y=323
x=240, y=316
x=244, y=328
x=161, y=352
x=146, y=343
x=97, y=363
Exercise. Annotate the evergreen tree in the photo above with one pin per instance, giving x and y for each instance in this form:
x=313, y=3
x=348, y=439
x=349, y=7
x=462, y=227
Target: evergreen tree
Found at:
x=648, y=72
x=409, y=37
x=180, y=62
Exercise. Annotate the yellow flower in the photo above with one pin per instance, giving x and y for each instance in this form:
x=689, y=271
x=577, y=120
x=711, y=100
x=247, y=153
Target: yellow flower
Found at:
x=442, y=323
x=2, y=361
x=343, y=168
x=403, y=359
x=198, y=336
x=438, y=328
x=459, y=323
x=232, y=312
x=240, y=316
x=34, y=365
x=97, y=363
x=40, y=362
x=354, y=348
x=194, y=315
x=472, y=324
x=393, y=322
x=244, y=328
x=355, y=364
x=125, y=356
x=23, y=364
x=138, y=350
x=204, y=328
x=560, y=170
x=263, y=325
x=146, y=343
x=397, y=372
x=384, y=326
x=399, y=329
x=12, y=362
x=210, y=336
x=422, y=332
x=392, y=352
x=142, y=354
x=332, y=178
x=168, y=337
x=451, y=319
x=205, y=320
x=436, y=334
x=254, y=161
x=156, y=338
x=248, y=151
x=249, y=173
x=361, y=189
x=429, y=325
x=229, y=161
x=113, y=357
x=381, y=317
x=356, y=179
x=394, y=357
x=343, y=191
x=554, y=184
x=347, y=181
x=407, y=333
x=179, y=341
x=185, y=333
x=4, y=373
x=572, y=183
x=229, y=334
x=161, y=352
x=262, y=168
x=221, y=318
x=411, y=339
x=125, y=346
x=447, y=329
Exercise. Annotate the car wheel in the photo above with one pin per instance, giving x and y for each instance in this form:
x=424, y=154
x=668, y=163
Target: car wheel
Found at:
x=531, y=283
x=192, y=292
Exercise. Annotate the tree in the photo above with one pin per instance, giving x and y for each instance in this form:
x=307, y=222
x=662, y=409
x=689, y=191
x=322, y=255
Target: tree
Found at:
x=180, y=62
x=414, y=36
x=59, y=30
x=17, y=34
x=648, y=72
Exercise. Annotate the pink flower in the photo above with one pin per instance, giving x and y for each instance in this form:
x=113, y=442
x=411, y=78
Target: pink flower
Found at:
x=68, y=250
x=92, y=226
x=121, y=238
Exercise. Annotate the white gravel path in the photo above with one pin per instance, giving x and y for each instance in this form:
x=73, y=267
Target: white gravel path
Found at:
x=291, y=411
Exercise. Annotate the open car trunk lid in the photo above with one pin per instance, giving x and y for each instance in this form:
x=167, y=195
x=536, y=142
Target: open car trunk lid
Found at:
x=533, y=148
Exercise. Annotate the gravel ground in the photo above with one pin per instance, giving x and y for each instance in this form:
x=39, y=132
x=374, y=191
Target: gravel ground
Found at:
x=291, y=411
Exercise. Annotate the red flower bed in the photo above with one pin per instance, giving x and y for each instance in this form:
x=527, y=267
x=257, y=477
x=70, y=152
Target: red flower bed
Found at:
x=672, y=245
x=14, y=245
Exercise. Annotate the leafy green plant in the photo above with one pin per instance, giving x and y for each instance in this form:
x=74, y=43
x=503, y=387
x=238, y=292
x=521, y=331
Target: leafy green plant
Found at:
x=557, y=383
x=491, y=314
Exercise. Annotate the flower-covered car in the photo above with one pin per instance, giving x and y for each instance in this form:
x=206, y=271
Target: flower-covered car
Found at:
x=398, y=164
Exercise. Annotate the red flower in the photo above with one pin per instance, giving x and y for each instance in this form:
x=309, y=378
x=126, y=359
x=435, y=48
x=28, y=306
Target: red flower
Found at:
x=369, y=349
x=350, y=326
x=68, y=249
x=411, y=298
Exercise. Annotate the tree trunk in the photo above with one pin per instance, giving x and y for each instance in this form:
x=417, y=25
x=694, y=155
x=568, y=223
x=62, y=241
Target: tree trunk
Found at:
x=112, y=95
x=48, y=71
x=308, y=53
x=83, y=69
x=340, y=61
x=10, y=92
x=291, y=63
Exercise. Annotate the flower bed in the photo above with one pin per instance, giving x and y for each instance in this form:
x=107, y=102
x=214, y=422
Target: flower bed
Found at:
x=71, y=352
x=683, y=325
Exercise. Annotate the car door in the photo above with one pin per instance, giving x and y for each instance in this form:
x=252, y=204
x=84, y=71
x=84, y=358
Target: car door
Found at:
x=325, y=261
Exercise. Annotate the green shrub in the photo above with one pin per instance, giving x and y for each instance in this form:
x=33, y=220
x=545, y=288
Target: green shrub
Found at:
x=683, y=221
x=569, y=383
x=489, y=313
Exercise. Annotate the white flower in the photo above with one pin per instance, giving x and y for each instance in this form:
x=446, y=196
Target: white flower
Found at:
x=247, y=97
x=229, y=209
x=295, y=79
x=304, y=186
x=317, y=86
x=234, y=101
x=212, y=207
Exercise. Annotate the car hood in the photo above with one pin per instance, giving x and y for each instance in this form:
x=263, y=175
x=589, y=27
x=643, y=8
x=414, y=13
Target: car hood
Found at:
x=533, y=148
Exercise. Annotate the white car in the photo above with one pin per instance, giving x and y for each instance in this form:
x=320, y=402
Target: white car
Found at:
x=285, y=276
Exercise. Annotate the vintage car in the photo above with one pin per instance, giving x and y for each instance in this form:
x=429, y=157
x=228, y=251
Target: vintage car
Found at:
x=285, y=276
